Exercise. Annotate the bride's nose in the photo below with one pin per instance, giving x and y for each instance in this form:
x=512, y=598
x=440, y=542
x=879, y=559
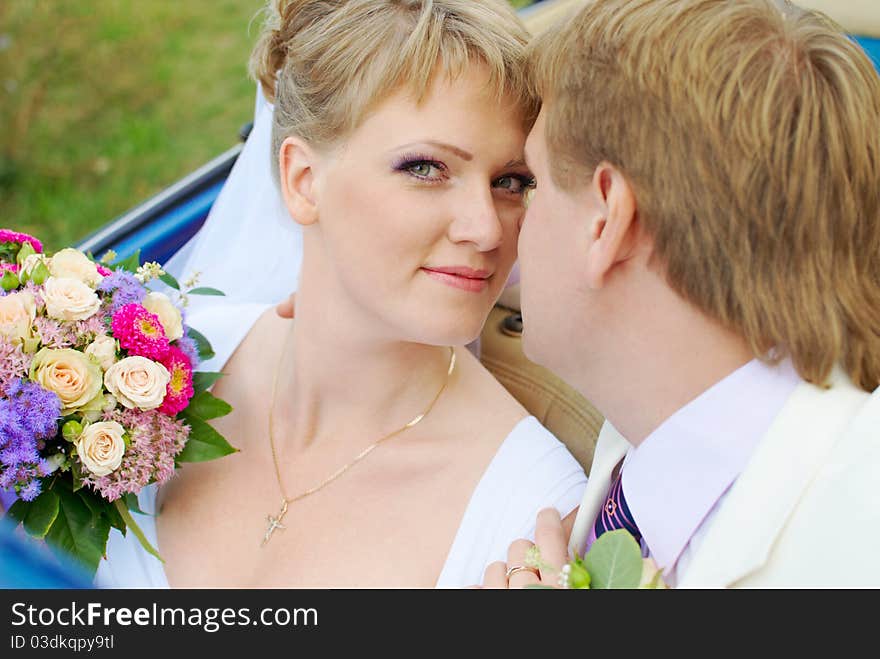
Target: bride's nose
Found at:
x=475, y=220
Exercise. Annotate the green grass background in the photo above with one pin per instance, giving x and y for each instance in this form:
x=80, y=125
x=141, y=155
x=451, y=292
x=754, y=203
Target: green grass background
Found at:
x=103, y=103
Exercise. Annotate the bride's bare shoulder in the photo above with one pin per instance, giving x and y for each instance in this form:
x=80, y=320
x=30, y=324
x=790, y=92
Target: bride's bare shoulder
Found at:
x=255, y=355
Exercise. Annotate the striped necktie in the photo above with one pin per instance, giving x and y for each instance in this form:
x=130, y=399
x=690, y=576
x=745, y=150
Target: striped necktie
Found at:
x=615, y=514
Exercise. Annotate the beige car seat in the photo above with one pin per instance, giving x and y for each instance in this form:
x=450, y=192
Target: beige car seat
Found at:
x=561, y=409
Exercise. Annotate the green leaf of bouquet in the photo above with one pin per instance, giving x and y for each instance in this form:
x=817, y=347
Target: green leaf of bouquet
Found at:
x=96, y=504
x=171, y=281
x=614, y=561
x=131, y=501
x=204, y=380
x=130, y=263
x=204, y=290
x=17, y=511
x=77, y=532
x=205, y=349
x=206, y=405
x=77, y=474
x=41, y=514
x=115, y=518
x=204, y=443
x=129, y=520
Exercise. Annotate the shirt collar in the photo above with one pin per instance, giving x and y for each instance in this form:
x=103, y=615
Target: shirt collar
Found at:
x=674, y=478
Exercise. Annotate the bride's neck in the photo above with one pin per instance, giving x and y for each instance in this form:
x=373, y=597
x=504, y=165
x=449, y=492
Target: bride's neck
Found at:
x=340, y=379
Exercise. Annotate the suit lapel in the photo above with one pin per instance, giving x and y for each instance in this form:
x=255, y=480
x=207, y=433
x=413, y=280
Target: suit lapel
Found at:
x=797, y=444
x=610, y=449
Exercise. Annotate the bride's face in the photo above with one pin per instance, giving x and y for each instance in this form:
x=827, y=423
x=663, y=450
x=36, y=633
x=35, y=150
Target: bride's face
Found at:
x=418, y=212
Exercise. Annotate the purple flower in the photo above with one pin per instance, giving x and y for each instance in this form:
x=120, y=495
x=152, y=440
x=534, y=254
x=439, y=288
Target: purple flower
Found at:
x=30, y=491
x=28, y=414
x=125, y=289
x=188, y=347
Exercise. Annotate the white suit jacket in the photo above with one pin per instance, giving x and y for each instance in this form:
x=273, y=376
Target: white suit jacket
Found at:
x=805, y=511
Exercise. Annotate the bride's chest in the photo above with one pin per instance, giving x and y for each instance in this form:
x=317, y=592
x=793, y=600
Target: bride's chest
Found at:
x=370, y=529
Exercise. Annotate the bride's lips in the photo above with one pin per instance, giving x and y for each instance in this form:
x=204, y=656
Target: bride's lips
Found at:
x=461, y=277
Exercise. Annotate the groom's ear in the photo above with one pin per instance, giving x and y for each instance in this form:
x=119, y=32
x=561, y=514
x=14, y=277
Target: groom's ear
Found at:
x=615, y=230
x=296, y=168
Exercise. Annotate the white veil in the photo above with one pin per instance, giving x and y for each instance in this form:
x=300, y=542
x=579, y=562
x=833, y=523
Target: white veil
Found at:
x=249, y=247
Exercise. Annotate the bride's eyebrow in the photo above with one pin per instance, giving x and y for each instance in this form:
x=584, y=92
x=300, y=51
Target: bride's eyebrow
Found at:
x=461, y=153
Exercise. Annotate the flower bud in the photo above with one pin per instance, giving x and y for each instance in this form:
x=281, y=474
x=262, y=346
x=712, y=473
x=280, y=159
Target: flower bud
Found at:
x=40, y=274
x=24, y=251
x=10, y=280
x=578, y=577
x=71, y=430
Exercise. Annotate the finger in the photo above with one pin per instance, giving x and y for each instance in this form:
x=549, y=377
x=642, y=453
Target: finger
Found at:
x=552, y=543
x=494, y=577
x=568, y=522
x=516, y=555
x=286, y=309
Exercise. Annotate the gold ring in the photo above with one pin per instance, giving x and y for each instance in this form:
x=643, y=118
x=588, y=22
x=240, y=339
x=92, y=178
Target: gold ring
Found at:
x=519, y=568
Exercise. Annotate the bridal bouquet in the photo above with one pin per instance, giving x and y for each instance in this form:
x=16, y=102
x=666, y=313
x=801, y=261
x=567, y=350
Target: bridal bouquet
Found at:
x=99, y=392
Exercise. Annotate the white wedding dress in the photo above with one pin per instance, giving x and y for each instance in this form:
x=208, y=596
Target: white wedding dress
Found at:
x=251, y=250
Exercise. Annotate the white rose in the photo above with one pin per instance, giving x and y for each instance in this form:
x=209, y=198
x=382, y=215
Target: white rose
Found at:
x=17, y=313
x=74, y=264
x=100, y=447
x=169, y=315
x=69, y=299
x=103, y=350
x=137, y=382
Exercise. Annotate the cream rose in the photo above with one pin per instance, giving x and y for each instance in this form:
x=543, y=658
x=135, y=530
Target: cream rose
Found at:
x=100, y=447
x=73, y=264
x=69, y=299
x=137, y=382
x=17, y=313
x=169, y=315
x=70, y=374
x=103, y=350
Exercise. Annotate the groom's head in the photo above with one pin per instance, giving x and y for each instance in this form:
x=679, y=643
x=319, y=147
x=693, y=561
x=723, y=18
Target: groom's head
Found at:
x=713, y=157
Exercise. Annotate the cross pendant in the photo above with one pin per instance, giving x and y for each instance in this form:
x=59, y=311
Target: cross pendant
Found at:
x=275, y=523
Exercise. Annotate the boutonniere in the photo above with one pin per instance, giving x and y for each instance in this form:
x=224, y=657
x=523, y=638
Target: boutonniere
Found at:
x=613, y=561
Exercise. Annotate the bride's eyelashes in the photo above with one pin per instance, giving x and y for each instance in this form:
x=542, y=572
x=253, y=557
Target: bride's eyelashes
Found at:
x=515, y=184
x=421, y=168
x=428, y=170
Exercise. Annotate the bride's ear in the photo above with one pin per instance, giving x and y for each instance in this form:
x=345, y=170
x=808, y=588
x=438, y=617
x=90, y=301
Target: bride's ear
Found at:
x=296, y=162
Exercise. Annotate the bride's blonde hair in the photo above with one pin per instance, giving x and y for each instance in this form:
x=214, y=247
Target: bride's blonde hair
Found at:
x=327, y=63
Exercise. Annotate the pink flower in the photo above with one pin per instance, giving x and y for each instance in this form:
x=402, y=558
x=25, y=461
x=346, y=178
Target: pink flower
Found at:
x=180, y=387
x=7, y=236
x=14, y=364
x=12, y=267
x=155, y=440
x=140, y=332
x=104, y=272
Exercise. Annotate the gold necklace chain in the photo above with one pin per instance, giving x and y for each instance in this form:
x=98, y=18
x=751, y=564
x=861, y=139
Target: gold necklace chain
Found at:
x=275, y=522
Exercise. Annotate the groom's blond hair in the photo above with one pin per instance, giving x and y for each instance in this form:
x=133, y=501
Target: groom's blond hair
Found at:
x=327, y=63
x=750, y=132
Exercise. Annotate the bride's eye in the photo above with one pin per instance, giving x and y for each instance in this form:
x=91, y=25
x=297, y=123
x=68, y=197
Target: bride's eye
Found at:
x=423, y=169
x=518, y=184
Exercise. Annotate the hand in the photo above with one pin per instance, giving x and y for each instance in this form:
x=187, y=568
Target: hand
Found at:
x=286, y=309
x=551, y=536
